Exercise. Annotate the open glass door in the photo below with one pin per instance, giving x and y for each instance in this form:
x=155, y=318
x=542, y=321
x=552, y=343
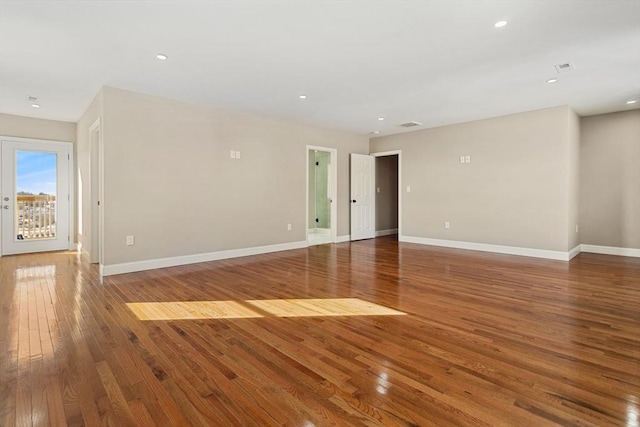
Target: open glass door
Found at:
x=35, y=195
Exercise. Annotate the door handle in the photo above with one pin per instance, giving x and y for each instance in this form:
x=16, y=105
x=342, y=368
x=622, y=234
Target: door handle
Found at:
x=6, y=199
x=353, y=201
x=5, y=207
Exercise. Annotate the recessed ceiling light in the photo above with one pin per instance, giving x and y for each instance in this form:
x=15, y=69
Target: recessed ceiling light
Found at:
x=375, y=132
x=500, y=24
x=302, y=96
x=633, y=101
x=380, y=118
x=554, y=80
x=35, y=105
x=162, y=56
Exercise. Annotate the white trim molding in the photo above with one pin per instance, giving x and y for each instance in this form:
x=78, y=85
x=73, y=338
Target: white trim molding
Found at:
x=388, y=232
x=130, y=267
x=342, y=239
x=575, y=251
x=485, y=247
x=610, y=250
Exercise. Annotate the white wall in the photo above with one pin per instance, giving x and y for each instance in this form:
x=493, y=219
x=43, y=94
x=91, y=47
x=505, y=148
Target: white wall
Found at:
x=170, y=182
x=610, y=180
x=83, y=177
x=573, y=169
x=29, y=127
x=515, y=192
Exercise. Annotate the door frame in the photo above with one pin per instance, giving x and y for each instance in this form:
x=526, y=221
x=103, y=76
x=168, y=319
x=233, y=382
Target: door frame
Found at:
x=334, y=191
x=399, y=154
x=71, y=242
x=96, y=198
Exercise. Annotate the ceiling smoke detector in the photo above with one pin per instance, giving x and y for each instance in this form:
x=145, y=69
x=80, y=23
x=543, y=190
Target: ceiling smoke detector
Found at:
x=564, y=67
x=410, y=124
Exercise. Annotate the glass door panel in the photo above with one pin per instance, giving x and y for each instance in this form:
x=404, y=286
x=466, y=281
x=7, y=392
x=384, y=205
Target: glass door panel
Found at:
x=36, y=174
x=35, y=196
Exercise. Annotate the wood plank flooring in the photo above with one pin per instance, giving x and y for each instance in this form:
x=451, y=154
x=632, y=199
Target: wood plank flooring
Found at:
x=481, y=340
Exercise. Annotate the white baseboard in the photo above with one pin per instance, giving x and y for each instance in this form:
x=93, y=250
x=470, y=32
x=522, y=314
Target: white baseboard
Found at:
x=485, y=247
x=575, y=251
x=108, y=270
x=388, y=232
x=86, y=256
x=129, y=267
x=610, y=250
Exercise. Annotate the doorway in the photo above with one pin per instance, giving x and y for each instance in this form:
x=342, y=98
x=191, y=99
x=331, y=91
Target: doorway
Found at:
x=36, y=195
x=386, y=195
x=321, y=190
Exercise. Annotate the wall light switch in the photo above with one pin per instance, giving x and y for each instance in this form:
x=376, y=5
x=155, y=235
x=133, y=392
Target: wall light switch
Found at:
x=237, y=154
x=447, y=225
x=408, y=189
x=461, y=159
x=467, y=159
x=233, y=154
x=288, y=227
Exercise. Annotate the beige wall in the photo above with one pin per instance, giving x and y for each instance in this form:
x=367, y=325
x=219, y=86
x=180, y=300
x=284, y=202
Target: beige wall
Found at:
x=29, y=127
x=513, y=193
x=610, y=180
x=83, y=177
x=387, y=196
x=573, y=170
x=169, y=179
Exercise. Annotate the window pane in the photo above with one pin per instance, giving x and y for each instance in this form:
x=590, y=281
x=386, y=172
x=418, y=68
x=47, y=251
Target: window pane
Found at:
x=36, y=195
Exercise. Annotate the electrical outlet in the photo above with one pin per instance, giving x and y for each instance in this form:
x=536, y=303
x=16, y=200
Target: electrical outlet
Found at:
x=288, y=227
x=378, y=189
x=131, y=241
x=408, y=189
x=577, y=228
x=447, y=225
x=461, y=159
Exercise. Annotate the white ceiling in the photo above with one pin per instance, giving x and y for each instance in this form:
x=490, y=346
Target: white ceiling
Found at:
x=435, y=62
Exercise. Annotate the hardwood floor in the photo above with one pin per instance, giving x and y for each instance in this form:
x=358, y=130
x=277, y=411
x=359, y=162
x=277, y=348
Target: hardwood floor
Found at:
x=479, y=339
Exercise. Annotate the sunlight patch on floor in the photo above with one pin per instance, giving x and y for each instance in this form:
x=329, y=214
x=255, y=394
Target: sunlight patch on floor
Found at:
x=259, y=308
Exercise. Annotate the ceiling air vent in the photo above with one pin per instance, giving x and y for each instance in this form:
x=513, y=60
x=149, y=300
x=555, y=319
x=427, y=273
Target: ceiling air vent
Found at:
x=410, y=124
x=564, y=67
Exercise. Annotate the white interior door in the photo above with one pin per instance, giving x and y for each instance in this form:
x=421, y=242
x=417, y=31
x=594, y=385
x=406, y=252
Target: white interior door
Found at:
x=36, y=197
x=363, y=209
